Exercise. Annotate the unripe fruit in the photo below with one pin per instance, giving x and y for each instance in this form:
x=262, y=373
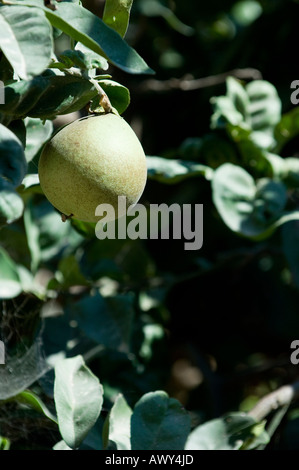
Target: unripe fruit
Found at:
x=92, y=161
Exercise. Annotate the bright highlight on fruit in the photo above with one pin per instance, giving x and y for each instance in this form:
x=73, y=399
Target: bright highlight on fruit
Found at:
x=92, y=161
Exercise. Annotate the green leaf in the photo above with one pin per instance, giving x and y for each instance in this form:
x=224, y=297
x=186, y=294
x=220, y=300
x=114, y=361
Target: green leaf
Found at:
x=152, y=332
x=117, y=15
x=78, y=397
x=291, y=172
x=159, y=423
x=68, y=273
x=81, y=57
x=233, y=192
x=265, y=105
x=238, y=96
x=225, y=112
x=172, y=171
x=254, y=110
x=47, y=96
x=277, y=165
x=27, y=397
x=61, y=445
x=270, y=200
x=32, y=234
x=37, y=132
x=54, y=236
x=4, y=443
x=264, y=138
x=253, y=157
x=118, y=94
x=285, y=217
x=29, y=54
x=273, y=424
x=86, y=229
x=28, y=282
x=106, y=320
x=287, y=128
x=31, y=184
x=230, y=432
x=85, y=27
x=11, y=204
x=119, y=424
x=10, y=285
x=211, y=150
x=246, y=11
x=13, y=165
x=92, y=59
x=249, y=209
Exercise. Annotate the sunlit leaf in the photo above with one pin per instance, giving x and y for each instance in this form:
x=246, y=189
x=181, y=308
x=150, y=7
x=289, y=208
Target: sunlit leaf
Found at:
x=228, y=433
x=10, y=285
x=29, y=398
x=29, y=54
x=47, y=96
x=265, y=104
x=78, y=397
x=85, y=27
x=119, y=424
x=117, y=15
x=249, y=208
x=173, y=171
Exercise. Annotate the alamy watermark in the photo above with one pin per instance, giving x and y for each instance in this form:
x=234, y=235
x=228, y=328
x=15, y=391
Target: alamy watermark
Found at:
x=294, y=357
x=2, y=93
x=2, y=353
x=153, y=222
x=295, y=94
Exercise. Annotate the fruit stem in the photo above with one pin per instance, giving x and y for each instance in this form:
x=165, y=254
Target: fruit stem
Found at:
x=104, y=100
x=64, y=217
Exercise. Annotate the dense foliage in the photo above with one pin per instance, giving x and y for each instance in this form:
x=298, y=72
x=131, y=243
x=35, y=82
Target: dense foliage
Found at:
x=142, y=344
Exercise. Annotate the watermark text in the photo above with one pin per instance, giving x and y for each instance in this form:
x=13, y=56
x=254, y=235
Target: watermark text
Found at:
x=2, y=353
x=295, y=94
x=2, y=93
x=153, y=222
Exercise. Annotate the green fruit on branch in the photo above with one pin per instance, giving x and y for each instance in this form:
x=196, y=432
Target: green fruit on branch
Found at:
x=92, y=161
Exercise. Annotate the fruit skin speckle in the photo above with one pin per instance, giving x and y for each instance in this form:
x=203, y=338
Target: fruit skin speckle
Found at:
x=92, y=161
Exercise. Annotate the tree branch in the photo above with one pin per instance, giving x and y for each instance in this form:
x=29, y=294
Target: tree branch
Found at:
x=187, y=84
x=279, y=398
